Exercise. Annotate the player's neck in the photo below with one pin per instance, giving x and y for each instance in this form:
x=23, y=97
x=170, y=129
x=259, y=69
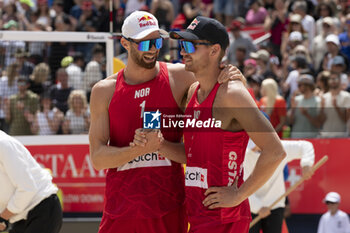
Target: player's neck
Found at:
x=207, y=79
x=134, y=74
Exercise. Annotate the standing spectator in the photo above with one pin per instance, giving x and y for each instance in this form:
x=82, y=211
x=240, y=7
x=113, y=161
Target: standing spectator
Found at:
x=325, y=9
x=335, y=109
x=335, y=220
x=256, y=14
x=344, y=38
x=163, y=10
x=19, y=106
x=28, y=197
x=303, y=115
x=48, y=119
x=322, y=83
x=276, y=23
x=93, y=72
x=239, y=39
x=224, y=11
x=75, y=72
x=338, y=66
x=43, y=14
x=308, y=22
x=8, y=87
x=273, y=105
x=319, y=48
x=272, y=219
x=191, y=10
x=77, y=119
x=61, y=91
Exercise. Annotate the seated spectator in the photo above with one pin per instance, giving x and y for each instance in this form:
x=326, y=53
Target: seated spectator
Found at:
x=77, y=119
x=8, y=87
x=39, y=80
x=303, y=115
x=262, y=58
x=191, y=10
x=241, y=54
x=273, y=104
x=75, y=71
x=93, y=70
x=238, y=39
x=335, y=109
x=333, y=50
x=48, y=119
x=25, y=67
x=60, y=92
x=42, y=14
x=9, y=12
x=256, y=14
x=20, y=106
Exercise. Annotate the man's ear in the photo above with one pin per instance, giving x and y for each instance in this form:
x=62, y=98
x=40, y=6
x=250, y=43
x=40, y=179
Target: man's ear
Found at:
x=124, y=43
x=215, y=50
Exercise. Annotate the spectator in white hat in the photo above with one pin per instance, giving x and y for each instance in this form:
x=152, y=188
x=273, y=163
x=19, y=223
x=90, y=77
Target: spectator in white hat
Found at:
x=333, y=50
x=334, y=220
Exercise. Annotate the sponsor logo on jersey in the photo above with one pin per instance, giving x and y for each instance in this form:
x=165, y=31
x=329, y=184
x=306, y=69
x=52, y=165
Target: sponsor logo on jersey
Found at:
x=232, y=166
x=196, y=177
x=151, y=120
x=147, y=160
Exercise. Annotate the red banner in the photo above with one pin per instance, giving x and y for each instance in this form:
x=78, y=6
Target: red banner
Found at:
x=83, y=186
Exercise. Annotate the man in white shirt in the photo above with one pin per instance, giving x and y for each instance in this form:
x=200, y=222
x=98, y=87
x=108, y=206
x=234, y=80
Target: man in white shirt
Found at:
x=308, y=22
x=335, y=109
x=334, y=220
x=272, y=220
x=28, y=198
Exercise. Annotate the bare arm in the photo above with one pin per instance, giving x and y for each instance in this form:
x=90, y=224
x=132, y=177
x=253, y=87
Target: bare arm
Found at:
x=102, y=155
x=259, y=129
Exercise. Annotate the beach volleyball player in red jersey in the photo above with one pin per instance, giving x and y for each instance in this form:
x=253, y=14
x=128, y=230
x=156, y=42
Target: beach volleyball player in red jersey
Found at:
x=219, y=119
x=144, y=190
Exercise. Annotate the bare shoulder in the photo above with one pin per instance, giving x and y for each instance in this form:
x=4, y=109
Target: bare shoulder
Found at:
x=233, y=94
x=103, y=90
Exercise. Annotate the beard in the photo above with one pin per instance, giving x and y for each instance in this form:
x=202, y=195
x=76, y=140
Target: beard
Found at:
x=139, y=60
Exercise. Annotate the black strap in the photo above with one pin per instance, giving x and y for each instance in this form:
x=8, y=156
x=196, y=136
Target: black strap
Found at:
x=2, y=220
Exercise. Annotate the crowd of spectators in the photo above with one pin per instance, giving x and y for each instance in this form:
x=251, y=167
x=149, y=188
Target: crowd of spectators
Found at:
x=298, y=75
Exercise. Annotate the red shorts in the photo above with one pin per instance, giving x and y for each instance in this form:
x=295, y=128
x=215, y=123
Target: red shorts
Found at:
x=173, y=222
x=234, y=227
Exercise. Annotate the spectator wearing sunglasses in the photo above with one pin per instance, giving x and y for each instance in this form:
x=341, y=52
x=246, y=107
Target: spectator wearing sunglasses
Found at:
x=217, y=200
x=144, y=190
x=334, y=220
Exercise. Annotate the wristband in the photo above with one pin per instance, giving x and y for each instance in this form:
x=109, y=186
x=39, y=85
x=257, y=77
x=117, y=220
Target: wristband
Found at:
x=2, y=220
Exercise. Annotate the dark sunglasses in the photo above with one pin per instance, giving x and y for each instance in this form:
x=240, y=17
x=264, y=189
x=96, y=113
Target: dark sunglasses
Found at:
x=330, y=203
x=189, y=46
x=146, y=45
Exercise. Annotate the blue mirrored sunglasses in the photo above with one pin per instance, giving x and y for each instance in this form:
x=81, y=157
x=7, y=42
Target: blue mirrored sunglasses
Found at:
x=189, y=46
x=146, y=45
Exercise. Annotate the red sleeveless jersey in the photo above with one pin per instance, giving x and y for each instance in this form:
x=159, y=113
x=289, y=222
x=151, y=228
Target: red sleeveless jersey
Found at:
x=214, y=158
x=149, y=186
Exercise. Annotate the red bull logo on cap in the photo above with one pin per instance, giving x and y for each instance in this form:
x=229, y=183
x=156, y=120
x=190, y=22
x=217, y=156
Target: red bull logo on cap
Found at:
x=193, y=25
x=146, y=20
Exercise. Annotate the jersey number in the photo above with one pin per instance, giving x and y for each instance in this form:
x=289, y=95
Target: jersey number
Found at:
x=142, y=105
